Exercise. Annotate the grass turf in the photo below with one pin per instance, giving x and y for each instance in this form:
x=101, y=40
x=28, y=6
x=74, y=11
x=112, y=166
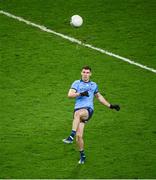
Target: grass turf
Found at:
x=36, y=71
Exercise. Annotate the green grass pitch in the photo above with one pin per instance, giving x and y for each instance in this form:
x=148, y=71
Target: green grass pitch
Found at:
x=37, y=69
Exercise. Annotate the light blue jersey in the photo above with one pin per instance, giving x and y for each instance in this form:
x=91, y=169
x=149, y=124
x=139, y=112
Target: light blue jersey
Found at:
x=81, y=86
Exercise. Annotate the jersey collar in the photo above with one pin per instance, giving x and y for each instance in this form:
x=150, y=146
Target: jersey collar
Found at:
x=84, y=81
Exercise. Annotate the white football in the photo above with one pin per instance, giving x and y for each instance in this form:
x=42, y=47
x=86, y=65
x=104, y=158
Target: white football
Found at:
x=76, y=21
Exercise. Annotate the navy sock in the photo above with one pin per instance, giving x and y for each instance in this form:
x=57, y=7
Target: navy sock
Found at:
x=82, y=154
x=72, y=135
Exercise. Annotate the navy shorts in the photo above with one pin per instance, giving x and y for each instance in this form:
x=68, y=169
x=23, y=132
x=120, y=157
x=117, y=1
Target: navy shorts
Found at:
x=90, y=112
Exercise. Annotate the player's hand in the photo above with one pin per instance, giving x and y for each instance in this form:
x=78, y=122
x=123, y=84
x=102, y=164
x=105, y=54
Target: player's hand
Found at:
x=115, y=106
x=85, y=93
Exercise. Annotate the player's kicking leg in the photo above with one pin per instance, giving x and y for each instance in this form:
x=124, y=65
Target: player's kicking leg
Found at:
x=78, y=115
x=76, y=122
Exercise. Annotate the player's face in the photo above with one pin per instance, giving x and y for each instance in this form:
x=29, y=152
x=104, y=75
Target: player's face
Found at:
x=85, y=73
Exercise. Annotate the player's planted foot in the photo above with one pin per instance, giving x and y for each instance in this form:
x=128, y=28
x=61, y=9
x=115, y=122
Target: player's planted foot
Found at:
x=82, y=160
x=82, y=157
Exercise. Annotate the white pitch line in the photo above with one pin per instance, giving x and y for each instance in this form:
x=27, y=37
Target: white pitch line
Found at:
x=43, y=28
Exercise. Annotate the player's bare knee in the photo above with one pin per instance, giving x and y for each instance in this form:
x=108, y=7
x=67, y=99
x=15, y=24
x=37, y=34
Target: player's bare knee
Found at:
x=77, y=114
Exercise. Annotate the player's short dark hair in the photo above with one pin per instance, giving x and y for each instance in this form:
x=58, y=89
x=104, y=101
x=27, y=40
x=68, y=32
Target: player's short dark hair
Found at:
x=86, y=67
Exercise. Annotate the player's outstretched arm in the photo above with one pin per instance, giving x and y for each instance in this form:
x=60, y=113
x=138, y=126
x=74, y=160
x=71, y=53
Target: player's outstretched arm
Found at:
x=102, y=100
x=106, y=103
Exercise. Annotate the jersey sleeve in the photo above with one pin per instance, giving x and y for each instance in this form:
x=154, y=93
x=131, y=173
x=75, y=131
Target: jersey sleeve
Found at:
x=75, y=85
x=96, y=89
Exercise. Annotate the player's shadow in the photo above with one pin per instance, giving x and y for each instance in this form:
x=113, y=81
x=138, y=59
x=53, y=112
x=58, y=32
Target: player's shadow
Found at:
x=77, y=171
